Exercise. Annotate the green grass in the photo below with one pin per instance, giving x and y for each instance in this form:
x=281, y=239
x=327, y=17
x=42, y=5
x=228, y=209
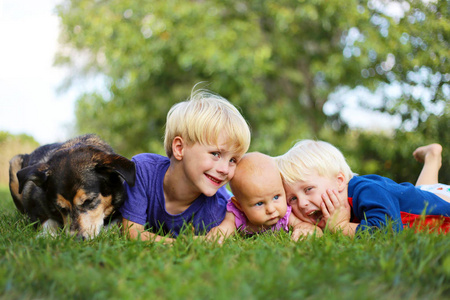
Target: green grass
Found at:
x=382, y=266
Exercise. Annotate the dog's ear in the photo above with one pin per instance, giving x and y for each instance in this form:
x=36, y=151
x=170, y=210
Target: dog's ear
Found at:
x=119, y=164
x=35, y=173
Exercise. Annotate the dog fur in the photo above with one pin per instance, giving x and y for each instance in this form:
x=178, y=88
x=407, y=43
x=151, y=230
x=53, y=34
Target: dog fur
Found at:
x=76, y=185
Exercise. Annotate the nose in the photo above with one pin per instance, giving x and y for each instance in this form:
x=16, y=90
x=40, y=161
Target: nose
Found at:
x=223, y=167
x=270, y=208
x=302, y=202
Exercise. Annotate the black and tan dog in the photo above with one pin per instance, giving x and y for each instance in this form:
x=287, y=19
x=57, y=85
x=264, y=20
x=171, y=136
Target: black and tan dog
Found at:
x=77, y=185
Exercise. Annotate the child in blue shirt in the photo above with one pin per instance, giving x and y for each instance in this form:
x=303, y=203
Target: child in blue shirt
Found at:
x=205, y=137
x=322, y=190
x=259, y=202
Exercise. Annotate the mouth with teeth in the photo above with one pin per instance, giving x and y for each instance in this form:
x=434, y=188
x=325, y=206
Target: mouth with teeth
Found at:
x=315, y=215
x=214, y=180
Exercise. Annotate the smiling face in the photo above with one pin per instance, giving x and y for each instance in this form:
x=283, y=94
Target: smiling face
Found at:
x=209, y=167
x=305, y=196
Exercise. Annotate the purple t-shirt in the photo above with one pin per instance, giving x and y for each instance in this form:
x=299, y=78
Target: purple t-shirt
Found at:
x=240, y=220
x=145, y=203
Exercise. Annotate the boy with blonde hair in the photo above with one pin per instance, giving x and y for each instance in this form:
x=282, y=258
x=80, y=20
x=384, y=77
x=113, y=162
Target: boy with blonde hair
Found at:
x=205, y=138
x=259, y=202
x=322, y=190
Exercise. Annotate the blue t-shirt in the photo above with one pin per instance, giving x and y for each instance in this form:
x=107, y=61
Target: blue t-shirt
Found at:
x=145, y=203
x=376, y=199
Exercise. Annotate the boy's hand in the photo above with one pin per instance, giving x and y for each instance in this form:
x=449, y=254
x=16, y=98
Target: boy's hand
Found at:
x=224, y=230
x=303, y=229
x=336, y=212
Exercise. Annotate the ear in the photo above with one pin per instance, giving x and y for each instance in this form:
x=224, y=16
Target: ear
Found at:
x=118, y=164
x=342, y=182
x=236, y=203
x=178, y=145
x=35, y=173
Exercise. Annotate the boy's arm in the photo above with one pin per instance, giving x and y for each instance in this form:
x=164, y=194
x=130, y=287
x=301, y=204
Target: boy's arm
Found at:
x=137, y=231
x=336, y=213
x=224, y=230
x=302, y=229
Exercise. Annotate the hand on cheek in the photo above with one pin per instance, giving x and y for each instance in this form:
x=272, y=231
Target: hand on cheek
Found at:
x=336, y=212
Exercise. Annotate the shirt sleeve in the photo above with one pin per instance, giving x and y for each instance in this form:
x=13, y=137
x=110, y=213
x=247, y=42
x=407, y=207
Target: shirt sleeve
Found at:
x=136, y=204
x=239, y=217
x=284, y=222
x=376, y=208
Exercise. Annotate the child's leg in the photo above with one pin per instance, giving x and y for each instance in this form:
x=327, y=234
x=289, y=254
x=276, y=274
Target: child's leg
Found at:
x=431, y=157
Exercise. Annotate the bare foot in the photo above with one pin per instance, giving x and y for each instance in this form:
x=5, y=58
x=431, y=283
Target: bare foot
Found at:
x=431, y=151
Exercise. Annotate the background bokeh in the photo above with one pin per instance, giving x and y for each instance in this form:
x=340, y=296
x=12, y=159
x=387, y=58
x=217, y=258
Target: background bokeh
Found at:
x=371, y=77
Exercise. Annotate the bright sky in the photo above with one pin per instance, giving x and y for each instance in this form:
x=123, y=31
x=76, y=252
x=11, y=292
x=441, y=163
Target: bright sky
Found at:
x=28, y=81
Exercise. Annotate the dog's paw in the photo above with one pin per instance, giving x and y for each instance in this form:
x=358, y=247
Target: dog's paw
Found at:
x=49, y=229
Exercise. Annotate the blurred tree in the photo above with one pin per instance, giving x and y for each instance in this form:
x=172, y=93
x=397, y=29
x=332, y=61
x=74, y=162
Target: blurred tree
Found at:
x=390, y=154
x=278, y=60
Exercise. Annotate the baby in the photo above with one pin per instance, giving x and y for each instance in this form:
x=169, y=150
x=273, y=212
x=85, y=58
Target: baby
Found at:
x=259, y=202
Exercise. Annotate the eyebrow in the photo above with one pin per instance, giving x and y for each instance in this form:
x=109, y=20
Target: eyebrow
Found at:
x=234, y=154
x=256, y=200
x=263, y=199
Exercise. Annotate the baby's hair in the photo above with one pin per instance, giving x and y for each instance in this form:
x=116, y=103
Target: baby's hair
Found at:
x=255, y=176
x=252, y=168
x=203, y=118
x=307, y=157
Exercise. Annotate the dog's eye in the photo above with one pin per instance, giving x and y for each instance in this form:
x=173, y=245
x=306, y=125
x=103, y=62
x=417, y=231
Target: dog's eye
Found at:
x=87, y=202
x=63, y=211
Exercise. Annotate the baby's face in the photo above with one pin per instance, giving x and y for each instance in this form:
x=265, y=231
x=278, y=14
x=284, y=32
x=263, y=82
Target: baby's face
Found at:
x=264, y=203
x=305, y=197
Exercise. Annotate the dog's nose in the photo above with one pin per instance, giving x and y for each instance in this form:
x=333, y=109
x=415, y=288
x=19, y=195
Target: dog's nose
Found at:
x=80, y=237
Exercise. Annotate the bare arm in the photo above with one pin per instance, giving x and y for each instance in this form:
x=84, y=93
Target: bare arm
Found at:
x=137, y=231
x=224, y=230
x=349, y=229
x=301, y=229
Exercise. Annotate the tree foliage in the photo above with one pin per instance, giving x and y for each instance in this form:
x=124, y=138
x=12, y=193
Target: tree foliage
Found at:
x=277, y=60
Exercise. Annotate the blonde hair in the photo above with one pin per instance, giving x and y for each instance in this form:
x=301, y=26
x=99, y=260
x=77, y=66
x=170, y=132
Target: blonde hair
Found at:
x=202, y=118
x=307, y=157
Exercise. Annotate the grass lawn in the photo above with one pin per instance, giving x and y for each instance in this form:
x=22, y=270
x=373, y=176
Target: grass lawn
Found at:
x=381, y=266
